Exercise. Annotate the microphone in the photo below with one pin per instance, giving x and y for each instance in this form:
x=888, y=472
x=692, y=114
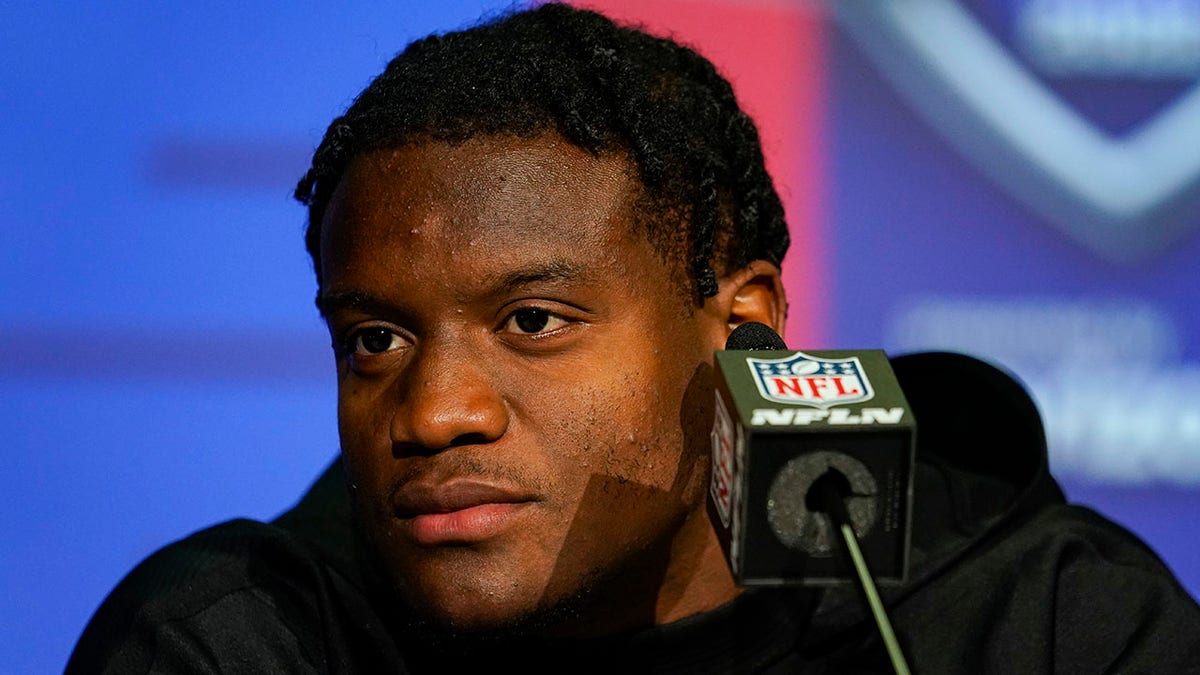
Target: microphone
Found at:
x=787, y=422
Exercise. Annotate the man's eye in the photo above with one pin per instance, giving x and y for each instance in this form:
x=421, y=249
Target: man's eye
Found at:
x=533, y=321
x=374, y=341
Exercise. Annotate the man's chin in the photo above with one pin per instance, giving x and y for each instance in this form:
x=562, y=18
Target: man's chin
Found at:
x=486, y=592
x=478, y=619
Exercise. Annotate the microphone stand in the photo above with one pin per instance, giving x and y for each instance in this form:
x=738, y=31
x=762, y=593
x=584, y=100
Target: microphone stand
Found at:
x=829, y=499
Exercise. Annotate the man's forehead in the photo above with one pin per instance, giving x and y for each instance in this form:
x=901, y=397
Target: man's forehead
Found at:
x=495, y=192
x=491, y=176
x=489, y=216
x=540, y=162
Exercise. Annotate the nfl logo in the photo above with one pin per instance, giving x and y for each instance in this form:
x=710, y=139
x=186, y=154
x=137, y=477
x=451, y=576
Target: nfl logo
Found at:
x=803, y=379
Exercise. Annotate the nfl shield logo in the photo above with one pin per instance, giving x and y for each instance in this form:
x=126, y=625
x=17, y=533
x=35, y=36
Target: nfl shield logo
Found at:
x=802, y=379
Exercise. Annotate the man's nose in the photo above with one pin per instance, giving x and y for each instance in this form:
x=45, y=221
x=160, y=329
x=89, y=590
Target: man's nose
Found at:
x=448, y=398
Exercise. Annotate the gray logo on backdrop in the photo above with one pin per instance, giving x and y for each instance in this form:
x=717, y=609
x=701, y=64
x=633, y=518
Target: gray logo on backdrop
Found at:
x=1125, y=198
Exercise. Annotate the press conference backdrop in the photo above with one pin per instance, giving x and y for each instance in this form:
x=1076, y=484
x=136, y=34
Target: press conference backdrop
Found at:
x=1014, y=179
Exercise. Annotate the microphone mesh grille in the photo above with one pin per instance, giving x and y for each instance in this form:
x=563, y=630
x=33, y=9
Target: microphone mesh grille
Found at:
x=812, y=532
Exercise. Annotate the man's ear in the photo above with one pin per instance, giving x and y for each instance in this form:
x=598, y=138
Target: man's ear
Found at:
x=752, y=293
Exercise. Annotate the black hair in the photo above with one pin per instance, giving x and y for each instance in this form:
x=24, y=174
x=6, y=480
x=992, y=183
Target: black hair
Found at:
x=603, y=87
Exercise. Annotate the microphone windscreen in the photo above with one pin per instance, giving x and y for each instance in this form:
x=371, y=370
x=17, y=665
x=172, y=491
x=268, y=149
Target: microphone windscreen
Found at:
x=754, y=336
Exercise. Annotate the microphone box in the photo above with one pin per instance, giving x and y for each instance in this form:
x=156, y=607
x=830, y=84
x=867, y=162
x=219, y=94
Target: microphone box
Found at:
x=784, y=419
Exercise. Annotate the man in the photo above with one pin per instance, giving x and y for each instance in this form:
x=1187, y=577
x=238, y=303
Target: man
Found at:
x=529, y=239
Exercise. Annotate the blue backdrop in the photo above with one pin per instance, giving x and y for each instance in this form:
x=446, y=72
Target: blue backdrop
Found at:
x=162, y=367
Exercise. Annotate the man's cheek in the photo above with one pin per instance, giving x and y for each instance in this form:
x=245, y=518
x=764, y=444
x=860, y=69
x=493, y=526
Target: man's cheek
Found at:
x=366, y=451
x=365, y=410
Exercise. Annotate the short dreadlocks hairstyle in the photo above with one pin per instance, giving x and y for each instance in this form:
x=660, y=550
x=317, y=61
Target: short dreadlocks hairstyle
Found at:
x=603, y=87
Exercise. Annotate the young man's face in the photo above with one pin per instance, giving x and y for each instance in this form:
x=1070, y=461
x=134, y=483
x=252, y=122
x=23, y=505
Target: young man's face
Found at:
x=524, y=396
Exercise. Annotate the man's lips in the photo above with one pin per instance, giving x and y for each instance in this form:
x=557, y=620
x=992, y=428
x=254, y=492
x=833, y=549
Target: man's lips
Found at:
x=457, y=512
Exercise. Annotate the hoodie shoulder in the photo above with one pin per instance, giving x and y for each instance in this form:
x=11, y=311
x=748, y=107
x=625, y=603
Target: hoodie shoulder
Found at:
x=1006, y=576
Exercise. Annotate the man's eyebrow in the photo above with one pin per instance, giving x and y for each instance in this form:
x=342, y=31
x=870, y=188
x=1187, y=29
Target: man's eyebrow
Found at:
x=332, y=301
x=555, y=270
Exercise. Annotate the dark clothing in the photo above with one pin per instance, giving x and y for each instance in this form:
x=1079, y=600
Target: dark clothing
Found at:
x=1004, y=578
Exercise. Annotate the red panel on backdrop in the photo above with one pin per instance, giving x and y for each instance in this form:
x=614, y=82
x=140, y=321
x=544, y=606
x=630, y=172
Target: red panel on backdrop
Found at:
x=773, y=54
